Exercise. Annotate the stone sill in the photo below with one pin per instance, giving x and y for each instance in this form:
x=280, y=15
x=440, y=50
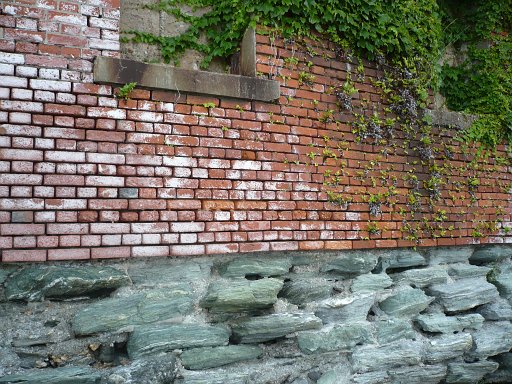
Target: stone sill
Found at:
x=108, y=70
x=456, y=120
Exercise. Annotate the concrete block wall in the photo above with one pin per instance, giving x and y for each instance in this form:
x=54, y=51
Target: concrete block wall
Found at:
x=87, y=175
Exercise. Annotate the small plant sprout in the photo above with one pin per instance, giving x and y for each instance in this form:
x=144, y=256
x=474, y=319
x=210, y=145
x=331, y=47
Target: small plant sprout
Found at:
x=209, y=105
x=125, y=90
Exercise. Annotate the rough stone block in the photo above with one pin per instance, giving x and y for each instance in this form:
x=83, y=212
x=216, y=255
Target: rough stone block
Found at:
x=38, y=282
x=212, y=357
x=491, y=253
x=447, y=255
x=492, y=339
x=265, y=328
x=391, y=330
x=502, y=278
x=371, y=283
x=300, y=291
x=256, y=266
x=464, y=294
x=166, y=337
x=160, y=369
x=461, y=271
x=354, y=262
x=401, y=258
x=372, y=358
x=240, y=295
x=345, y=309
x=499, y=310
x=161, y=273
x=371, y=378
x=447, y=347
x=439, y=322
x=406, y=302
x=215, y=378
x=469, y=372
x=428, y=374
x=420, y=278
x=64, y=375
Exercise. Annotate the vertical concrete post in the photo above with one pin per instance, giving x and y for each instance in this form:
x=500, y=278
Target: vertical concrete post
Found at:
x=248, y=53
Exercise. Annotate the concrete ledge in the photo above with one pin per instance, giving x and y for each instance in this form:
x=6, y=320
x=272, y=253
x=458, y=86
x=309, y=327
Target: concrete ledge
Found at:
x=453, y=119
x=159, y=76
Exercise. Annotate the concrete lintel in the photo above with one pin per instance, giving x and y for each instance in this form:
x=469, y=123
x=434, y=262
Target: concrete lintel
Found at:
x=110, y=70
x=453, y=119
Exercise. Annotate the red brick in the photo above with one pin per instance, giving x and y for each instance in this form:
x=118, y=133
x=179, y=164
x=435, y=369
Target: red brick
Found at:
x=22, y=229
x=22, y=255
x=69, y=254
x=110, y=252
x=150, y=251
x=188, y=250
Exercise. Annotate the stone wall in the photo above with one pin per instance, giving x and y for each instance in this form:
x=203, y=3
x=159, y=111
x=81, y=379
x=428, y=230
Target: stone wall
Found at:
x=438, y=315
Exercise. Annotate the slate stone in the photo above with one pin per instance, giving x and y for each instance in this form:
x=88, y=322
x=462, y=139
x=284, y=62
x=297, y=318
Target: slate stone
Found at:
x=38, y=282
x=372, y=358
x=353, y=262
x=406, y=302
x=159, y=369
x=371, y=378
x=148, y=339
x=420, y=278
x=504, y=372
x=427, y=374
x=163, y=273
x=461, y=271
x=492, y=339
x=304, y=290
x=213, y=357
x=447, y=347
x=239, y=295
x=440, y=323
x=447, y=255
x=334, y=376
x=503, y=280
x=148, y=307
x=64, y=375
x=391, y=330
x=464, y=294
x=491, y=253
x=343, y=309
x=499, y=310
x=401, y=258
x=469, y=372
x=274, y=326
x=256, y=266
x=371, y=283
x=215, y=378
x=4, y=273
x=341, y=337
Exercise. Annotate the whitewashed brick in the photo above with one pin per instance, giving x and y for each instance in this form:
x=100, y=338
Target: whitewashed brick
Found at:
x=12, y=58
x=20, y=118
x=66, y=98
x=246, y=164
x=49, y=73
x=187, y=227
x=21, y=94
x=4, y=93
x=26, y=71
x=51, y=85
x=110, y=45
x=6, y=69
x=22, y=106
x=178, y=161
x=44, y=96
x=12, y=81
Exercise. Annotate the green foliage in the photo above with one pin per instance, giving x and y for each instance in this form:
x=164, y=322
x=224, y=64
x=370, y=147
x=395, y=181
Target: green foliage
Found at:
x=125, y=90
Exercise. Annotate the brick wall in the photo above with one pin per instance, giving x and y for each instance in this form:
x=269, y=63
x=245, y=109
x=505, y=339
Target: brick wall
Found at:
x=87, y=175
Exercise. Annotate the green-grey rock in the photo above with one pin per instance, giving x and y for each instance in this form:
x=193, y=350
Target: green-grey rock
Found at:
x=212, y=357
x=342, y=337
x=240, y=295
x=406, y=302
x=491, y=253
x=38, y=282
x=344, y=309
x=270, y=327
x=391, y=330
x=401, y=258
x=149, y=307
x=447, y=255
x=439, y=322
x=371, y=378
x=159, y=369
x=447, y=347
x=464, y=294
x=192, y=377
x=461, y=271
x=304, y=290
x=493, y=338
x=372, y=358
x=352, y=262
x=499, y=310
x=148, y=339
x=334, y=376
x=256, y=266
x=420, y=278
x=4, y=274
x=163, y=273
x=503, y=374
x=427, y=374
x=469, y=372
x=64, y=375
x=502, y=278
x=371, y=282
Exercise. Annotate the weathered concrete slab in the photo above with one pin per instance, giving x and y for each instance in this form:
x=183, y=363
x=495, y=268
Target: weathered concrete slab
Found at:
x=159, y=76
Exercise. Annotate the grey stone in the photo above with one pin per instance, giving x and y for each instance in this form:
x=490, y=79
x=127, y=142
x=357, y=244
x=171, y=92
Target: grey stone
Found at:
x=492, y=339
x=301, y=380
x=64, y=375
x=427, y=374
x=371, y=282
x=353, y=262
x=304, y=290
x=420, y=278
x=334, y=376
x=371, y=358
x=401, y=258
x=159, y=369
x=213, y=357
x=491, y=253
x=439, y=322
x=128, y=193
x=342, y=309
x=466, y=270
x=158, y=273
x=406, y=302
x=371, y=378
x=148, y=339
x=503, y=374
x=447, y=347
x=38, y=282
x=469, y=372
x=464, y=294
x=274, y=326
x=4, y=273
x=451, y=119
x=341, y=337
x=256, y=266
x=234, y=296
x=158, y=76
x=215, y=378
x=248, y=53
x=502, y=278
x=391, y=330
x=447, y=255
x=8, y=360
x=115, y=313
x=499, y=310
